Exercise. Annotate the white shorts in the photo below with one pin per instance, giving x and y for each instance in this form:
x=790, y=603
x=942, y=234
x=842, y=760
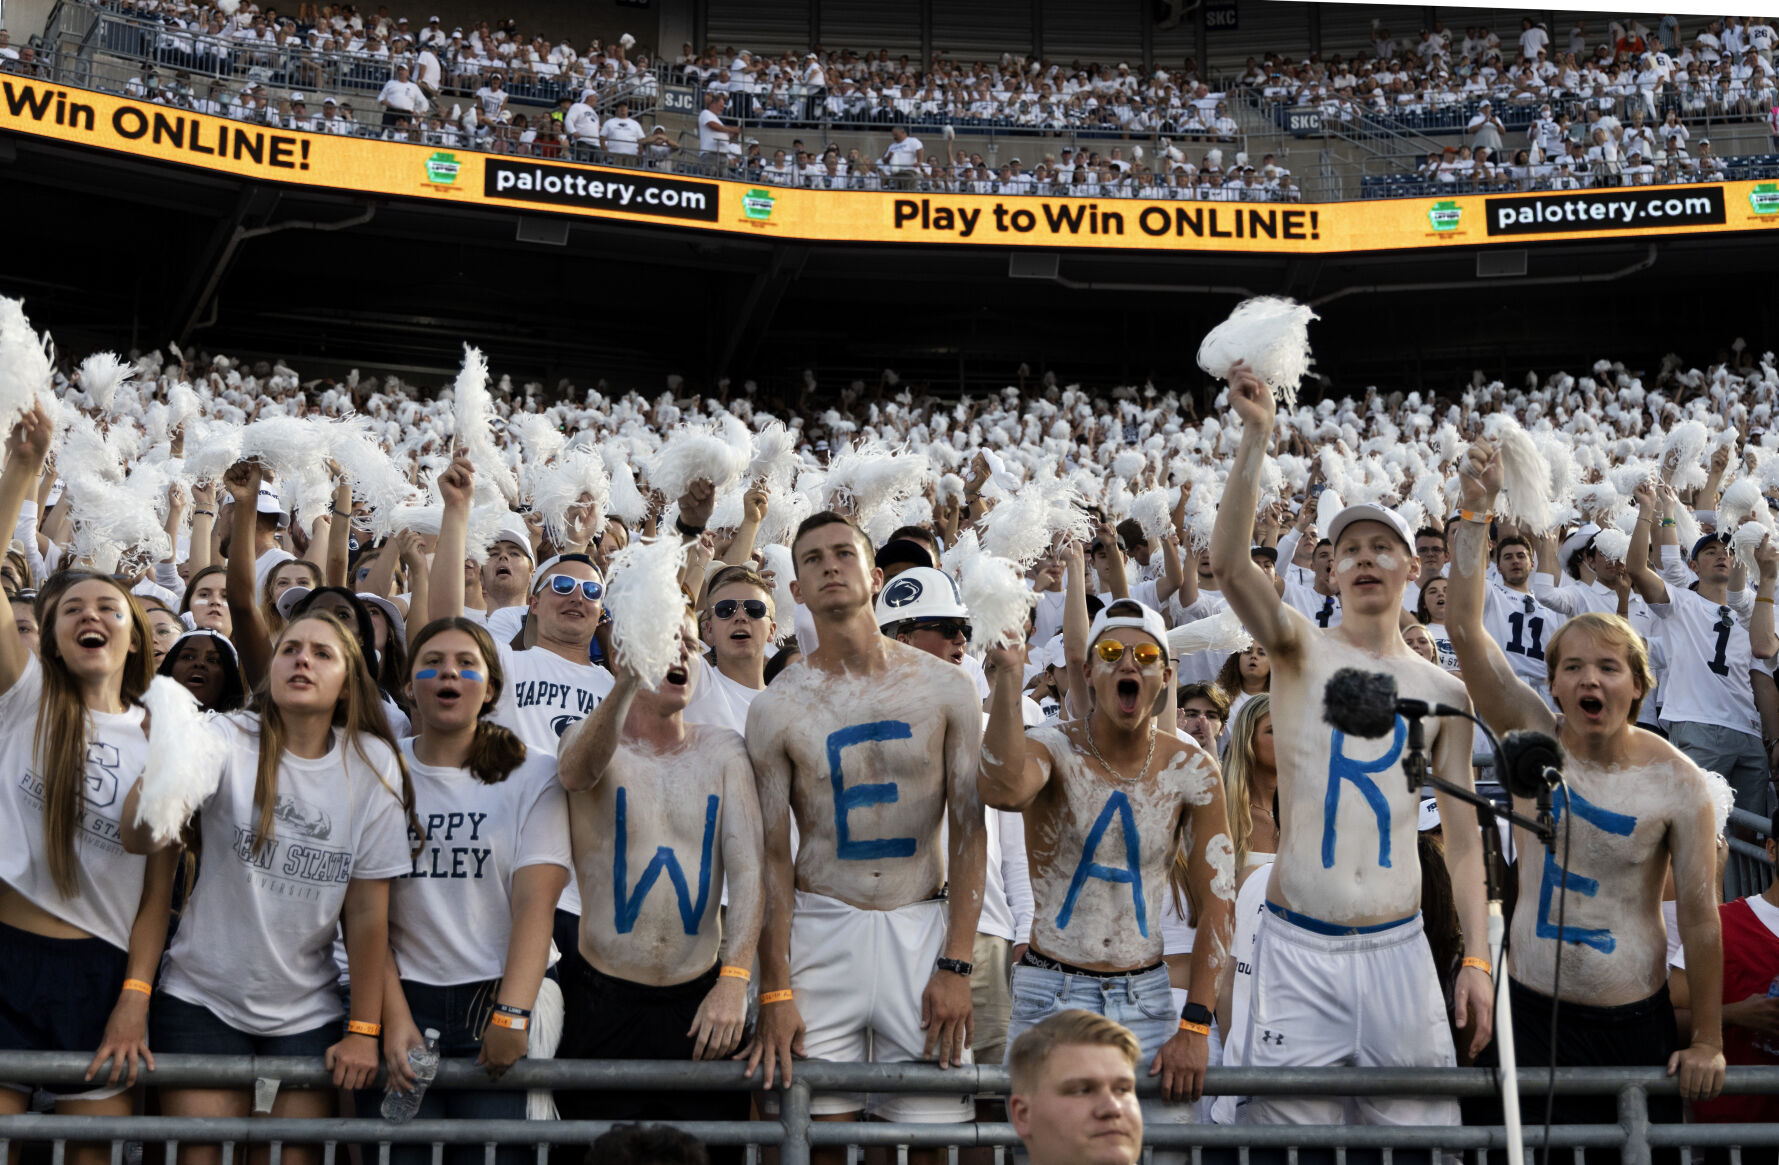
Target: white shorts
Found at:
x=1368, y=1000
x=859, y=975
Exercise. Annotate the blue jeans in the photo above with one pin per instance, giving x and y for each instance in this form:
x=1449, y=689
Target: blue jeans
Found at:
x=1144, y=1003
x=458, y=1013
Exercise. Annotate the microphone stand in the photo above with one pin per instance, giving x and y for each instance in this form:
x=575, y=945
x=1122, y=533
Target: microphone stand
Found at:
x=1487, y=813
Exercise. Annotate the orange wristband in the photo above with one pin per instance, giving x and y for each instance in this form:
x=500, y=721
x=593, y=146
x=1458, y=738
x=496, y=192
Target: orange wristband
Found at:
x=741, y=973
x=517, y=1023
x=1197, y=1029
x=138, y=985
x=1473, y=516
x=1482, y=965
x=358, y=1027
x=776, y=996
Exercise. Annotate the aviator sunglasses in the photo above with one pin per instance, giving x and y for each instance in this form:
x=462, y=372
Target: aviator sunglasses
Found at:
x=1147, y=655
x=725, y=608
x=564, y=584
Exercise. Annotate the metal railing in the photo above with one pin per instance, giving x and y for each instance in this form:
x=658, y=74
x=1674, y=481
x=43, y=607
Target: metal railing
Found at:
x=794, y=1133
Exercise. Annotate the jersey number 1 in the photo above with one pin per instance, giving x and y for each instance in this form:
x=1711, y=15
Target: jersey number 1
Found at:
x=1718, y=663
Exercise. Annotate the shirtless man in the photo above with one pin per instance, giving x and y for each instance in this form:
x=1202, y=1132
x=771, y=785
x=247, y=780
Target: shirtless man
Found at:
x=1105, y=798
x=1631, y=807
x=872, y=745
x=660, y=812
x=1342, y=973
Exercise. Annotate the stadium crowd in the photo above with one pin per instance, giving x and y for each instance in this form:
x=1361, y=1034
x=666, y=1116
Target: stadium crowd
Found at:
x=869, y=725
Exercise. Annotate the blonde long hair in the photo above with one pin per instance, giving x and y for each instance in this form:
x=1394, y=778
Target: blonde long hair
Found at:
x=64, y=724
x=1239, y=762
x=358, y=712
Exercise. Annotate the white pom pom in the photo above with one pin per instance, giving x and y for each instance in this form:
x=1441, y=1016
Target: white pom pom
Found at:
x=1017, y=528
x=950, y=489
x=577, y=478
x=472, y=425
x=1741, y=501
x=377, y=479
x=1152, y=512
x=1222, y=633
x=1525, y=476
x=228, y=7
x=1128, y=465
x=25, y=365
x=774, y=459
x=700, y=451
x=627, y=41
x=100, y=375
x=871, y=476
x=994, y=592
x=1612, y=545
x=781, y=572
x=642, y=594
x=1328, y=506
x=184, y=763
x=626, y=504
x=1272, y=334
x=1746, y=540
x=1686, y=528
x=1684, y=450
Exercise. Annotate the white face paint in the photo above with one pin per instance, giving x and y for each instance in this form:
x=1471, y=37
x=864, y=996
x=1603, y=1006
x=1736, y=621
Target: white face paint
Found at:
x=1388, y=561
x=1346, y=565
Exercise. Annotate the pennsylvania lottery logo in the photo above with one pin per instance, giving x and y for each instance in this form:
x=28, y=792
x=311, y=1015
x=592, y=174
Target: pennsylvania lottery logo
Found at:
x=1764, y=198
x=1445, y=215
x=442, y=169
x=756, y=204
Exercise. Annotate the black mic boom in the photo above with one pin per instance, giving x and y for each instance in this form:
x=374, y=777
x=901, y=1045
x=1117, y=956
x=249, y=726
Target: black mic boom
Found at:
x=1532, y=763
x=1360, y=703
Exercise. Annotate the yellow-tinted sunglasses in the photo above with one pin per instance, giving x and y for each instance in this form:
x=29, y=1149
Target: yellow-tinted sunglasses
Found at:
x=1147, y=655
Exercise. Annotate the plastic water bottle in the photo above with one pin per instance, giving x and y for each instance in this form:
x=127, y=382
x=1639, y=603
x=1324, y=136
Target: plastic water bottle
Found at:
x=1768, y=1044
x=400, y=1107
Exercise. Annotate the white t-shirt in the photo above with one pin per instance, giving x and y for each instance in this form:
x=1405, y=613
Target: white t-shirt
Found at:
x=503, y=622
x=711, y=138
x=545, y=693
x=255, y=944
x=621, y=135
x=1522, y=626
x=451, y=915
x=719, y=700
x=1709, y=658
x=110, y=880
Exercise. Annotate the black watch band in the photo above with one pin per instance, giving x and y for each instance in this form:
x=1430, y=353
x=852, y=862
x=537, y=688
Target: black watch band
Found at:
x=689, y=531
x=1196, y=1013
x=955, y=966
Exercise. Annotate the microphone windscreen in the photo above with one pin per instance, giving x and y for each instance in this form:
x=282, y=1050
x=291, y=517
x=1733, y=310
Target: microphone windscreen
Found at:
x=1360, y=703
x=1532, y=763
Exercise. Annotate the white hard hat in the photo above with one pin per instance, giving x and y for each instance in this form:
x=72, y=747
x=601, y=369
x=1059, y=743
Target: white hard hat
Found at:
x=920, y=592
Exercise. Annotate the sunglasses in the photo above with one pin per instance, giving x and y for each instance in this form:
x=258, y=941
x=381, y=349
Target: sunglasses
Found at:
x=947, y=628
x=1147, y=655
x=564, y=584
x=725, y=609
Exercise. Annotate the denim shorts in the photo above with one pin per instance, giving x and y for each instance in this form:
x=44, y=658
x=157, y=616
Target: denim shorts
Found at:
x=56, y=995
x=177, y=1026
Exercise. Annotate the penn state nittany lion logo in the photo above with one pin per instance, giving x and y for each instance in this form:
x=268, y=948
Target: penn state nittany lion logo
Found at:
x=561, y=724
x=902, y=591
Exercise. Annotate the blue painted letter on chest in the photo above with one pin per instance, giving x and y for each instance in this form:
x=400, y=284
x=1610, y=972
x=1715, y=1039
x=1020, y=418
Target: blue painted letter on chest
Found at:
x=859, y=796
x=1088, y=868
x=1606, y=821
x=625, y=910
x=1342, y=767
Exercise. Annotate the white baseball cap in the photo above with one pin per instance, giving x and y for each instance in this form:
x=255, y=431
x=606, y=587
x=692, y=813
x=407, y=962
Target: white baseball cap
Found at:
x=1429, y=815
x=1149, y=622
x=1366, y=512
x=920, y=592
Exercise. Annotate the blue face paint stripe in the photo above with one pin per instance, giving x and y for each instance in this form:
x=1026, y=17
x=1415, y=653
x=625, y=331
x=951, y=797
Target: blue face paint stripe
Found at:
x=1088, y=868
x=1605, y=820
x=1342, y=767
x=884, y=793
x=471, y=674
x=625, y=910
x=427, y=673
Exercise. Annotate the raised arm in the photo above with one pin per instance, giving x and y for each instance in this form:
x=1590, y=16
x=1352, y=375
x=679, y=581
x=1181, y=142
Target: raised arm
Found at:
x=1075, y=623
x=444, y=587
x=1245, y=585
x=1172, y=576
x=26, y=448
x=1503, y=700
x=1649, y=584
x=588, y=746
x=249, y=627
x=753, y=512
x=339, y=536
x=1011, y=776
x=1760, y=626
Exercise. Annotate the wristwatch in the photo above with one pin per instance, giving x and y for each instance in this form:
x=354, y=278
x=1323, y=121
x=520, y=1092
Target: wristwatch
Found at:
x=955, y=966
x=1196, y=1013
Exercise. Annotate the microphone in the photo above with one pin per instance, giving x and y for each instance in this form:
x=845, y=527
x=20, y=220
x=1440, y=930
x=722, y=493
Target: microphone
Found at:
x=1365, y=704
x=1532, y=765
